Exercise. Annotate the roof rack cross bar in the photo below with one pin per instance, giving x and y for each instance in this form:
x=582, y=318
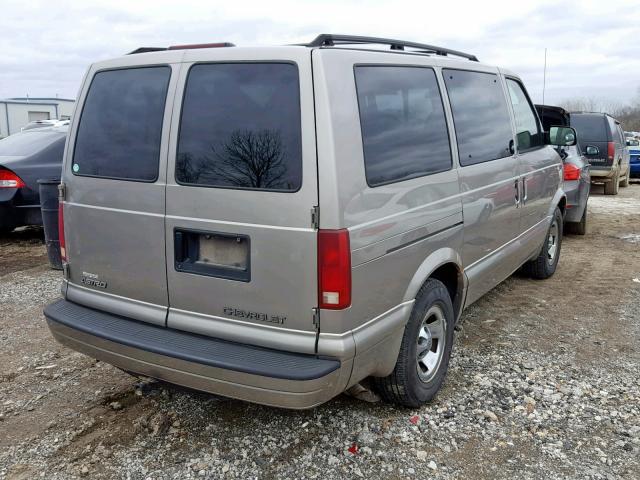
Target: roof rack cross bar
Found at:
x=331, y=40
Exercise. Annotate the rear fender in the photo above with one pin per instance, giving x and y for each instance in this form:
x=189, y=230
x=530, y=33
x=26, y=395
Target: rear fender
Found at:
x=559, y=200
x=431, y=264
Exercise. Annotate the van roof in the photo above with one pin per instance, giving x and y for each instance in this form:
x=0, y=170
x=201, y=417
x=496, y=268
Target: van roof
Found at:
x=333, y=40
x=345, y=43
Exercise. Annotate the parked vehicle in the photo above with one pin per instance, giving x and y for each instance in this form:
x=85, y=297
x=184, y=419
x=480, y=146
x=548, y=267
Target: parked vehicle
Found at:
x=278, y=224
x=45, y=123
x=634, y=157
x=576, y=171
x=604, y=147
x=25, y=158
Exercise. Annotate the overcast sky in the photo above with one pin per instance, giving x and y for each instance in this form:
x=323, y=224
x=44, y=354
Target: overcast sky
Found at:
x=593, y=46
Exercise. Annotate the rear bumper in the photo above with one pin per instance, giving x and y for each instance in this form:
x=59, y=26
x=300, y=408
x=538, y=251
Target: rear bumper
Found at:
x=12, y=216
x=602, y=174
x=260, y=375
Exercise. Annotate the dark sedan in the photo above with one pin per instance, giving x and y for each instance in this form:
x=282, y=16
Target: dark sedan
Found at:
x=577, y=175
x=25, y=158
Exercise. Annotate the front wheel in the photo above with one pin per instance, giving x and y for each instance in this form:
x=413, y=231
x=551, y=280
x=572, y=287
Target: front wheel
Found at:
x=544, y=265
x=425, y=350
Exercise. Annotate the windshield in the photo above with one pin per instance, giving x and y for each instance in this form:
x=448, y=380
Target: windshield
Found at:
x=29, y=142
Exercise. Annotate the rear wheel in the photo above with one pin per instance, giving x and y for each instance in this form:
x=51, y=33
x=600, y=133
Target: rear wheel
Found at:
x=625, y=182
x=425, y=350
x=545, y=264
x=613, y=186
x=578, y=228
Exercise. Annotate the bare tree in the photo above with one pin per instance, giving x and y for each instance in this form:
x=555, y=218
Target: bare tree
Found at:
x=628, y=115
x=248, y=159
x=591, y=104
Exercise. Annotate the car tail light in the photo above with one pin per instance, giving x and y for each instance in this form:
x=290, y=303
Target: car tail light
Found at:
x=63, y=244
x=611, y=150
x=571, y=172
x=334, y=269
x=8, y=179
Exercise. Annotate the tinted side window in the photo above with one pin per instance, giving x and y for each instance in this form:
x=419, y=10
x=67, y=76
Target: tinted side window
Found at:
x=616, y=132
x=480, y=115
x=240, y=127
x=589, y=127
x=404, y=131
x=121, y=124
x=528, y=133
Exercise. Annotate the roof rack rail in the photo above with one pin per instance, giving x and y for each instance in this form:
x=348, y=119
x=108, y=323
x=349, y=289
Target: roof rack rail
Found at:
x=330, y=40
x=181, y=47
x=146, y=50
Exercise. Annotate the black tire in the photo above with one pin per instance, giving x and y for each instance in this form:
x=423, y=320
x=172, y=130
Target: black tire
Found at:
x=612, y=187
x=410, y=384
x=625, y=183
x=543, y=267
x=578, y=228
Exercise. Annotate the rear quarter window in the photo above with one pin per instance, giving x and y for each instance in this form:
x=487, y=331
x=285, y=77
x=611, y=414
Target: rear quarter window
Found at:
x=240, y=127
x=480, y=116
x=404, y=131
x=121, y=124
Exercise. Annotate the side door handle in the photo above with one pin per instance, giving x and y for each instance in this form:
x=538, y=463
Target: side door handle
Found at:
x=517, y=196
x=524, y=190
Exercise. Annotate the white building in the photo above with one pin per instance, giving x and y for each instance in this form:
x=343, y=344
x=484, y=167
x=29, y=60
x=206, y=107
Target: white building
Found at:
x=15, y=113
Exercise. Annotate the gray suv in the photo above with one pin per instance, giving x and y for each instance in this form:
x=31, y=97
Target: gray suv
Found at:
x=278, y=224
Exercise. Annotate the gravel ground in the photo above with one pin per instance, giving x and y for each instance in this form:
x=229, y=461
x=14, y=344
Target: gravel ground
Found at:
x=544, y=383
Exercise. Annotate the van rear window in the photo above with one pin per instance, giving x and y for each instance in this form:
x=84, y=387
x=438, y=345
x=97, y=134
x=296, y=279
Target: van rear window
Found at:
x=240, y=127
x=121, y=124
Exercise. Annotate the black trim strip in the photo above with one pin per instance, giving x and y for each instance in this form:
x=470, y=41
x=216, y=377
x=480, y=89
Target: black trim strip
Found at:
x=424, y=237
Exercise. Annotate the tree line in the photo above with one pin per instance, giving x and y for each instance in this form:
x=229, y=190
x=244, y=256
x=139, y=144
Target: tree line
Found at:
x=628, y=115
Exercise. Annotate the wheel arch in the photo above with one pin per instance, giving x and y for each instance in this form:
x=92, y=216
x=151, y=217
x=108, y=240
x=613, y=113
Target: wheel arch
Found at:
x=559, y=201
x=444, y=265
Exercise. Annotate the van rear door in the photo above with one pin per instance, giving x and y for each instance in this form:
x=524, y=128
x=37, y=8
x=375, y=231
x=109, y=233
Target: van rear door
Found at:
x=115, y=191
x=242, y=184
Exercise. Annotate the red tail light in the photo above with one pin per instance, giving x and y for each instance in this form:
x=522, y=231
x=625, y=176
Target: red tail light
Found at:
x=571, y=172
x=334, y=269
x=63, y=245
x=611, y=150
x=8, y=179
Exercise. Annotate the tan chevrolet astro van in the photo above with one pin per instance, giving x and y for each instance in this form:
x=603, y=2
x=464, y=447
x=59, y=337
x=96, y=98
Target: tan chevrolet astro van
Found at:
x=277, y=224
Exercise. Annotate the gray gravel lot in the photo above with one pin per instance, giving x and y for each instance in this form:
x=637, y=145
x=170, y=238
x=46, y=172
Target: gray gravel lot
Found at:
x=544, y=383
